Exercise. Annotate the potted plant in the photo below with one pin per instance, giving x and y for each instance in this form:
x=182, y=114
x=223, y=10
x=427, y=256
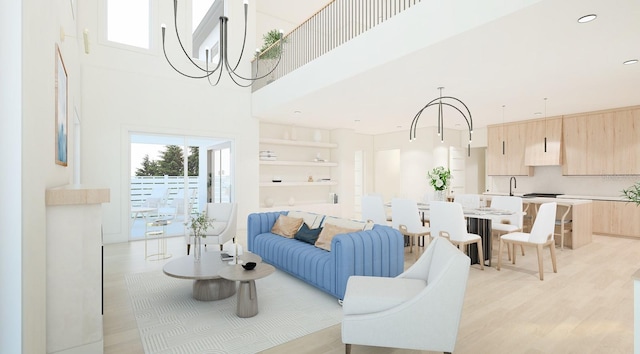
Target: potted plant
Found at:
x=439, y=178
x=269, y=52
x=632, y=194
x=198, y=226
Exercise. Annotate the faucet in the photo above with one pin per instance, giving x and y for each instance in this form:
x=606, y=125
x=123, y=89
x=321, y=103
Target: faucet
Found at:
x=514, y=185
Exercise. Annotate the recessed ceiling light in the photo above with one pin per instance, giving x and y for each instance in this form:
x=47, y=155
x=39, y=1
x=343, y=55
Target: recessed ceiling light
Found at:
x=356, y=120
x=587, y=18
x=398, y=126
x=297, y=112
x=630, y=61
x=538, y=113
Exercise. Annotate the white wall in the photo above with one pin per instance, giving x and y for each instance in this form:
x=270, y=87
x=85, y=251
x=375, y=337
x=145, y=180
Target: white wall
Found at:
x=128, y=90
x=11, y=302
x=30, y=30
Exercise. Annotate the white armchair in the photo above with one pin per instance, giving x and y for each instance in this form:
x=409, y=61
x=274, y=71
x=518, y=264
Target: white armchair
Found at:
x=223, y=227
x=419, y=309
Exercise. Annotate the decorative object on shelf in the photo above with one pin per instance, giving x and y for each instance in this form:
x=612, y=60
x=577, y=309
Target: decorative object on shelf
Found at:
x=199, y=225
x=276, y=179
x=317, y=136
x=319, y=158
x=292, y=201
x=268, y=202
x=223, y=62
x=249, y=265
x=268, y=155
x=632, y=194
x=440, y=102
x=310, y=179
x=439, y=179
x=333, y=198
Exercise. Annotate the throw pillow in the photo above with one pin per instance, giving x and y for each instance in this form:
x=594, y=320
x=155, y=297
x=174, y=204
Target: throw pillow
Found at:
x=311, y=219
x=346, y=223
x=307, y=234
x=329, y=231
x=286, y=226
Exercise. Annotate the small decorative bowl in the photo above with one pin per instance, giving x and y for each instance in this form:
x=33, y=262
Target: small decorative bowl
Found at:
x=249, y=265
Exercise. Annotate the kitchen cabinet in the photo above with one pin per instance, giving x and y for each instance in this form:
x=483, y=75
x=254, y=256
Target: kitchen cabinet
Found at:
x=616, y=218
x=602, y=143
x=506, y=150
x=543, y=143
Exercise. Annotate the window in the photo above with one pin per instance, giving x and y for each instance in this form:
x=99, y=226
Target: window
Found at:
x=128, y=22
x=205, y=17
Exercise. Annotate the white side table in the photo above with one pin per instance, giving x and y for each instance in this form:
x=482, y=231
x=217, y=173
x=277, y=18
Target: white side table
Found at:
x=158, y=228
x=247, y=293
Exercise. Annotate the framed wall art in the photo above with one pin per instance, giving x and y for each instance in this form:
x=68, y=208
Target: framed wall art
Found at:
x=61, y=123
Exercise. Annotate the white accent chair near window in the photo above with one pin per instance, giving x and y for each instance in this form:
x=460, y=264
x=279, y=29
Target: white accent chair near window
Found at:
x=541, y=236
x=405, y=217
x=222, y=229
x=419, y=309
x=447, y=220
x=507, y=223
x=373, y=209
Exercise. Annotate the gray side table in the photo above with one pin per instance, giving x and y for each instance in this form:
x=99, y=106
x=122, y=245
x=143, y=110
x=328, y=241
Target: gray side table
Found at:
x=247, y=293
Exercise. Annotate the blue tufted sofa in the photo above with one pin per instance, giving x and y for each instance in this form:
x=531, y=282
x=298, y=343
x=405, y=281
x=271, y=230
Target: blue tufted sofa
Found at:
x=375, y=252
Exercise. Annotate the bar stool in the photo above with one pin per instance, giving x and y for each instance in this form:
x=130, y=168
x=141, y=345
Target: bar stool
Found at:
x=565, y=223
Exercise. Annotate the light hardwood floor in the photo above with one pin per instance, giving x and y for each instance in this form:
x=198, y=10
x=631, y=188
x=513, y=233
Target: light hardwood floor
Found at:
x=587, y=307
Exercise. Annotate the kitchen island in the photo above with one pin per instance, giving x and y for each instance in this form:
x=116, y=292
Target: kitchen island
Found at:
x=581, y=216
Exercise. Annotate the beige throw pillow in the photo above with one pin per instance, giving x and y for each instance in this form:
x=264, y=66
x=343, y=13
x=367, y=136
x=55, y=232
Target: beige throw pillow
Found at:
x=327, y=234
x=286, y=226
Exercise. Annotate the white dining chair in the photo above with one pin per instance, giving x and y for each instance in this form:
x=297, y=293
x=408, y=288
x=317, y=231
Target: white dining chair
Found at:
x=541, y=236
x=405, y=217
x=505, y=224
x=468, y=201
x=447, y=220
x=373, y=209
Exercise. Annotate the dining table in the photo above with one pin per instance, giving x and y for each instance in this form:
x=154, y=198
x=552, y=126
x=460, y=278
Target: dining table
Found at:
x=478, y=222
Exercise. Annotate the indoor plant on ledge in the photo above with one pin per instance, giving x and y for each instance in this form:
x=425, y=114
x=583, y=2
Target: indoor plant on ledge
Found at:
x=632, y=194
x=199, y=225
x=439, y=178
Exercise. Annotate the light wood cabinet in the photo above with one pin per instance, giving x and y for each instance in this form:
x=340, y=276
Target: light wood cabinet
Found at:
x=616, y=218
x=602, y=143
x=506, y=150
x=543, y=143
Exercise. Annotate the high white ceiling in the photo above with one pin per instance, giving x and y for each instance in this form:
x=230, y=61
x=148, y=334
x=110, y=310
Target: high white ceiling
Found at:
x=516, y=60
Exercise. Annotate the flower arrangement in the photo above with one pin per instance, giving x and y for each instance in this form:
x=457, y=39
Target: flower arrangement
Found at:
x=632, y=194
x=200, y=223
x=440, y=178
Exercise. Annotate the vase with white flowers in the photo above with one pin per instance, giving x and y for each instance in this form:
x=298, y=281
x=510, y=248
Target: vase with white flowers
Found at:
x=439, y=178
x=198, y=226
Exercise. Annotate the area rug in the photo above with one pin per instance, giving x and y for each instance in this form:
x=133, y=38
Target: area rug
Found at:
x=170, y=320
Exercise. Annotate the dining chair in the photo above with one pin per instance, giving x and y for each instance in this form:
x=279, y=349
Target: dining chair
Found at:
x=564, y=223
x=468, y=201
x=373, y=209
x=405, y=217
x=541, y=236
x=507, y=223
x=447, y=220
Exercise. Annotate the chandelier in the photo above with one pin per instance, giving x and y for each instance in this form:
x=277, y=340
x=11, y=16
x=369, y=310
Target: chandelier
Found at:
x=440, y=102
x=223, y=62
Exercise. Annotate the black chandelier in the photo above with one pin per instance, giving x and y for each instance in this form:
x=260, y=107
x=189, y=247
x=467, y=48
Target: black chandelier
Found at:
x=223, y=61
x=440, y=102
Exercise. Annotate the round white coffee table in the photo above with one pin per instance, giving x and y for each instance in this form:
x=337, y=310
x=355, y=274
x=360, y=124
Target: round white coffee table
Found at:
x=247, y=294
x=207, y=284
